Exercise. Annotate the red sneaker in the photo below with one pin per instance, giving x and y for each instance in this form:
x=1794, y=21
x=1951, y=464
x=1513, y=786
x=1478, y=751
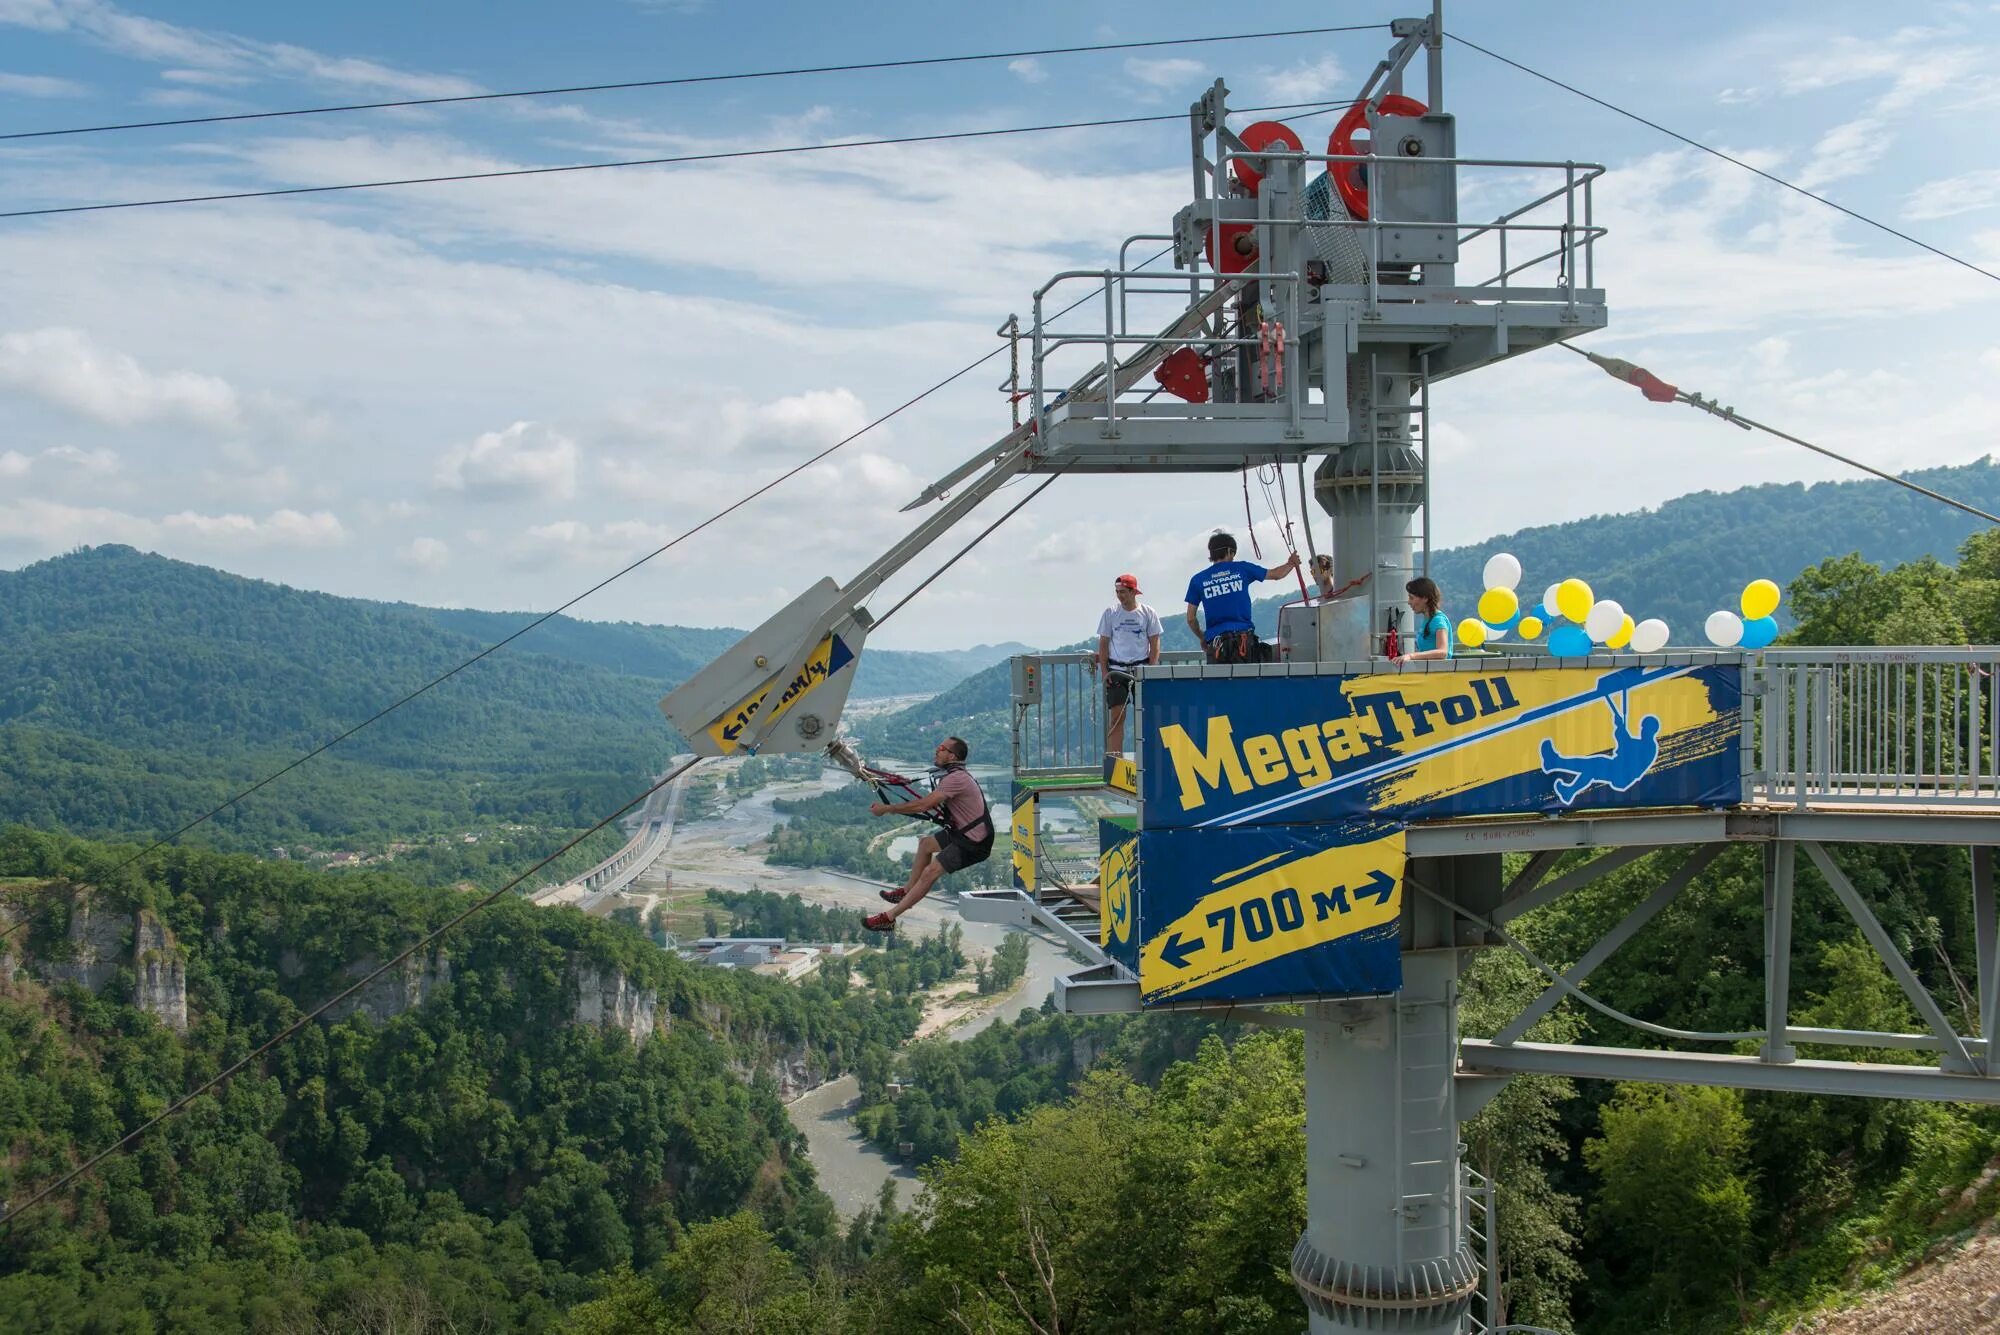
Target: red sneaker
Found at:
x=892, y=896
x=879, y=922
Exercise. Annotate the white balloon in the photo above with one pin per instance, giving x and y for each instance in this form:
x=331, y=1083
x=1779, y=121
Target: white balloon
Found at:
x=1725, y=629
x=1502, y=571
x=1549, y=600
x=1649, y=636
x=1606, y=616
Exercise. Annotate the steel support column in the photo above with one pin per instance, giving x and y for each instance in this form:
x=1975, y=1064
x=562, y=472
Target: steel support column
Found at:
x=1780, y=864
x=1986, y=933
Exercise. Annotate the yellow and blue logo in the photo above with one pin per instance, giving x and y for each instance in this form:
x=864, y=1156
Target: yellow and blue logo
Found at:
x=831, y=655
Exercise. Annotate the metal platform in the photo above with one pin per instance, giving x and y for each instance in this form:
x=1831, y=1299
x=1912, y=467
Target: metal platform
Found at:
x=1842, y=746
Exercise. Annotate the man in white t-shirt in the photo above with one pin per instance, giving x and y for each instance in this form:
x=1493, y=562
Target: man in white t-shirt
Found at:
x=1127, y=635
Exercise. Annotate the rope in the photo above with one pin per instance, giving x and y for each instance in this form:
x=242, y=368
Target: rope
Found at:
x=1659, y=391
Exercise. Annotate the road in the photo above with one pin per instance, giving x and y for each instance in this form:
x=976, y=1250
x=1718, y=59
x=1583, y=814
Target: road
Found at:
x=609, y=878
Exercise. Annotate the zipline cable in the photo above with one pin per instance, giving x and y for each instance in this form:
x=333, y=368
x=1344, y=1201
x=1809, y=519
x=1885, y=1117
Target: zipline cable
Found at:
x=686, y=80
x=1658, y=391
x=279, y=1038
x=1772, y=177
x=677, y=159
x=7, y=1216
x=550, y=615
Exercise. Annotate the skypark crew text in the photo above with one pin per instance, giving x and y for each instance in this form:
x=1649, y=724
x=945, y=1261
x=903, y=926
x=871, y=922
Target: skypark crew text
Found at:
x=1308, y=754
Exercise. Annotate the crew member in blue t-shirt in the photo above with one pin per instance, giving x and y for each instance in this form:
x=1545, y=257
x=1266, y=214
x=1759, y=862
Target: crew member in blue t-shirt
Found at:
x=1221, y=594
x=1433, y=633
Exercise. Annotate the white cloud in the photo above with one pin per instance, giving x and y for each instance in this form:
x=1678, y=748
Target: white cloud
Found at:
x=1305, y=81
x=52, y=526
x=425, y=554
x=1965, y=193
x=1028, y=70
x=39, y=85
x=527, y=459
x=105, y=25
x=262, y=486
x=66, y=367
x=68, y=459
x=1172, y=72
x=1849, y=149
x=577, y=542
x=281, y=528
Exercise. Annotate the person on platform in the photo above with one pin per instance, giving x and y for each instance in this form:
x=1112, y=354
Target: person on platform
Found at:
x=1128, y=634
x=955, y=799
x=1432, y=636
x=1221, y=596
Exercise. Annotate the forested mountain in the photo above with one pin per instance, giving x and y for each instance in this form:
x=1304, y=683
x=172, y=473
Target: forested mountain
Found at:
x=137, y=692
x=1694, y=554
x=1679, y=562
x=544, y=1099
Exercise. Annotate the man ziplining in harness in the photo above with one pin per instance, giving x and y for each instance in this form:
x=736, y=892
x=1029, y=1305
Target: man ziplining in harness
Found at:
x=955, y=802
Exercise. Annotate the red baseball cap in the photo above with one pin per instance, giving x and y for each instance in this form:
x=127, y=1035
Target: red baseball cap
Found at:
x=1129, y=581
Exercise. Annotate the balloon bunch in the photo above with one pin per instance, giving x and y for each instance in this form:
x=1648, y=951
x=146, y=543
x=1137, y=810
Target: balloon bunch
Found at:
x=1576, y=620
x=1756, y=628
x=1499, y=605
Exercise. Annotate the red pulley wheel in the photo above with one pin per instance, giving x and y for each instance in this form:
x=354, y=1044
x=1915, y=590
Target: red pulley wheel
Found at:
x=1347, y=175
x=1258, y=137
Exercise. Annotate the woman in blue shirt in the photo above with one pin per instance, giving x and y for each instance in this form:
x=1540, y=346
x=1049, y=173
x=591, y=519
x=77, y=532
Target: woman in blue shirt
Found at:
x=1433, y=633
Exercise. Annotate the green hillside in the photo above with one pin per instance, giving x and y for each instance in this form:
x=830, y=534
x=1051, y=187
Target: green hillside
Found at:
x=137, y=692
x=1694, y=554
x=478, y=1160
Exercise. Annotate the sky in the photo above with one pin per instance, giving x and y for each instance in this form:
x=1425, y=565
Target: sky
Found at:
x=494, y=394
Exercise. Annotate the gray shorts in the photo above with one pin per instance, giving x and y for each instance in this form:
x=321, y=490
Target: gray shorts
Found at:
x=956, y=852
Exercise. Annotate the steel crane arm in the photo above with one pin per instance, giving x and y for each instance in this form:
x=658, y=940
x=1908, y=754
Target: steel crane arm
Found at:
x=795, y=669
x=753, y=697
x=1089, y=388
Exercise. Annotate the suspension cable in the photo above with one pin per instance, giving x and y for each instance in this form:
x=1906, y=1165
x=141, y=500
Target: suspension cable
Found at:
x=685, y=80
x=1772, y=177
x=674, y=160
x=1659, y=391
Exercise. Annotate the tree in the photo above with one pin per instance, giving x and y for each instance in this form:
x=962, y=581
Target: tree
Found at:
x=1673, y=1208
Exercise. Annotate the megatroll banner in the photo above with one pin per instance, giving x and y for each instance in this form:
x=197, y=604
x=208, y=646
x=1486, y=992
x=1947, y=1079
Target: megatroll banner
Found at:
x=1229, y=751
x=1270, y=911
x=1273, y=809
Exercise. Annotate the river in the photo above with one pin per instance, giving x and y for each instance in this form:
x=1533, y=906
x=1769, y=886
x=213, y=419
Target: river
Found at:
x=710, y=854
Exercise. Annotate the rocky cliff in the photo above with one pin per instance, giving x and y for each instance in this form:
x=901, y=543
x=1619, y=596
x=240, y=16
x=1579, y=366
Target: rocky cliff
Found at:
x=102, y=941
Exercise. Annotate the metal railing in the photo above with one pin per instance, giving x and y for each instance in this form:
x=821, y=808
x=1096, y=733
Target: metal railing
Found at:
x=1910, y=726
x=1061, y=728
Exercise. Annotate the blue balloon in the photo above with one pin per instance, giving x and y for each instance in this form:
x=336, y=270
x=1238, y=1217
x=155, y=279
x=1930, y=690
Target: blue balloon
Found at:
x=1759, y=632
x=1507, y=625
x=1541, y=613
x=1569, y=642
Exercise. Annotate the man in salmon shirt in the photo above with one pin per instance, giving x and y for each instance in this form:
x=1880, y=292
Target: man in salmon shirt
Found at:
x=956, y=802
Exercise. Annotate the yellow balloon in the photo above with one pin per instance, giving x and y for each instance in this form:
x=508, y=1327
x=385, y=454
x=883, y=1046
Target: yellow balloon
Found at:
x=1622, y=636
x=1496, y=605
x=1760, y=599
x=1574, y=600
x=1530, y=627
x=1471, y=632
